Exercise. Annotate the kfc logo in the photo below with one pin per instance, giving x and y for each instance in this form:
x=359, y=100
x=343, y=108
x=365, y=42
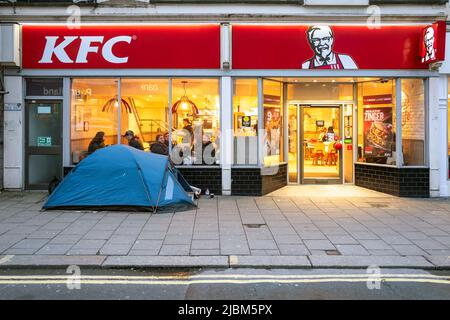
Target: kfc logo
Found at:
x=321, y=40
x=429, y=41
x=87, y=44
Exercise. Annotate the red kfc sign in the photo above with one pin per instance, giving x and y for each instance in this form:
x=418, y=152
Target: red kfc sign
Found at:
x=94, y=46
x=433, y=45
x=331, y=47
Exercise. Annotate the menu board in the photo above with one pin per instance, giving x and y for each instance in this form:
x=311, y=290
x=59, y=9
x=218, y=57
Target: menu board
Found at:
x=378, y=135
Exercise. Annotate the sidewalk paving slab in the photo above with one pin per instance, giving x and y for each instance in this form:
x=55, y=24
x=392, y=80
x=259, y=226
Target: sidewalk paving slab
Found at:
x=440, y=261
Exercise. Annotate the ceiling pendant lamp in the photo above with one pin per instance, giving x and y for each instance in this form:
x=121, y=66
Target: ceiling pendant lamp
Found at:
x=184, y=103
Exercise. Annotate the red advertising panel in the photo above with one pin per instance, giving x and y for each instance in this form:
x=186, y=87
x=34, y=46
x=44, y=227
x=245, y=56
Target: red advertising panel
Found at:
x=378, y=134
x=125, y=46
x=329, y=47
x=377, y=99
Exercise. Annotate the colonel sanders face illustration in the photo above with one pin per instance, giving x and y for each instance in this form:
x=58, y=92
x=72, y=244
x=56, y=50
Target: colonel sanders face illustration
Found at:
x=428, y=40
x=321, y=40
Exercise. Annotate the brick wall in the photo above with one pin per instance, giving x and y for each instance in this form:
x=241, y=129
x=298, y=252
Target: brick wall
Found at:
x=413, y=110
x=203, y=178
x=402, y=182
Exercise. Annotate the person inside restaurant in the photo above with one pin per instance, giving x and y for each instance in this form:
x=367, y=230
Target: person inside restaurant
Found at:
x=133, y=140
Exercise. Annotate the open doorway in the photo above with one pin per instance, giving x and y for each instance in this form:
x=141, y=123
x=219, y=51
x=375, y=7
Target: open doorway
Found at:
x=315, y=133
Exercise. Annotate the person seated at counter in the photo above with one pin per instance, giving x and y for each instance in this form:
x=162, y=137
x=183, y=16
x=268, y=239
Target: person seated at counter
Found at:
x=166, y=139
x=208, y=150
x=97, y=142
x=133, y=140
x=159, y=146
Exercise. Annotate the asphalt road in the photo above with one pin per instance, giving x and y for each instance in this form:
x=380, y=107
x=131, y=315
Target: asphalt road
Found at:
x=227, y=284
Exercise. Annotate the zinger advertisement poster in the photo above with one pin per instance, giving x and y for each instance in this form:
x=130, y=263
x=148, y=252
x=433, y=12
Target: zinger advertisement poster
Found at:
x=378, y=135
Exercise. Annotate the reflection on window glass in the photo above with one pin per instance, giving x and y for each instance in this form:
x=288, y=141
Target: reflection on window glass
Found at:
x=273, y=122
x=147, y=114
x=376, y=122
x=245, y=121
x=196, y=120
x=93, y=116
x=413, y=122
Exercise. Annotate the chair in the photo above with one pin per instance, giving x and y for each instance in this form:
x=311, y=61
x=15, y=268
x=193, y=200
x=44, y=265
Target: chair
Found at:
x=331, y=158
x=318, y=155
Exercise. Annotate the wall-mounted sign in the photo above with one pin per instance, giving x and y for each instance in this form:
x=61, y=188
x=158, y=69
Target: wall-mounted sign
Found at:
x=378, y=99
x=332, y=47
x=246, y=121
x=378, y=134
x=44, y=141
x=13, y=106
x=272, y=99
x=44, y=109
x=433, y=45
x=320, y=123
x=124, y=46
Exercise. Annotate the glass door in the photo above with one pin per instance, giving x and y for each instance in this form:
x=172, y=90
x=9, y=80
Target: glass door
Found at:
x=320, y=133
x=43, y=143
x=293, y=135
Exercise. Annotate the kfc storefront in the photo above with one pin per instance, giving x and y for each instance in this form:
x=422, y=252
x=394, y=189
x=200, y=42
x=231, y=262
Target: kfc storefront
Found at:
x=246, y=108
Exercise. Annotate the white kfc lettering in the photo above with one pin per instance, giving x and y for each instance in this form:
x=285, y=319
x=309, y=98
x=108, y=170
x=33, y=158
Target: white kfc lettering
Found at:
x=107, y=49
x=51, y=48
x=86, y=46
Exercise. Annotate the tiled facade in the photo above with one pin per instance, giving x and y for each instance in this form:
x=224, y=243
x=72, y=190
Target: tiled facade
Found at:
x=204, y=178
x=257, y=181
x=403, y=182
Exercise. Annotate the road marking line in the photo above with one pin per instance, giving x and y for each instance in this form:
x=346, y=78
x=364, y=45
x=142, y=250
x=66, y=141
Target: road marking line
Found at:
x=230, y=276
x=217, y=281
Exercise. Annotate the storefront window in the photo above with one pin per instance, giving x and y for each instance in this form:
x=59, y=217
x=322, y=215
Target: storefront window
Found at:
x=376, y=122
x=93, y=113
x=145, y=102
x=413, y=122
x=273, y=122
x=245, y=121
x=196, y=121
x=448, y=127
x=317, y=91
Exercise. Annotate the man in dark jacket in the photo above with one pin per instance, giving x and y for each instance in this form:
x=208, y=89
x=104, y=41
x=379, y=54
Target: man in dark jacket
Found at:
x=159, y=146
x=133, y=141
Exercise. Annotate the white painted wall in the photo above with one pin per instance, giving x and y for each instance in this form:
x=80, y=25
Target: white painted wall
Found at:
x=226, y=135
x=13, y=135
x=226, y=12
x=435, y=132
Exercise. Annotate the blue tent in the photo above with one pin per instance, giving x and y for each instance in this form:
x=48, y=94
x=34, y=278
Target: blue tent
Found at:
x=120, y=177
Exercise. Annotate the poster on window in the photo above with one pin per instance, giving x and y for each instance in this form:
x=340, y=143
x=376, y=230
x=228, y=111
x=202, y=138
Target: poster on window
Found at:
x=378, y=134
